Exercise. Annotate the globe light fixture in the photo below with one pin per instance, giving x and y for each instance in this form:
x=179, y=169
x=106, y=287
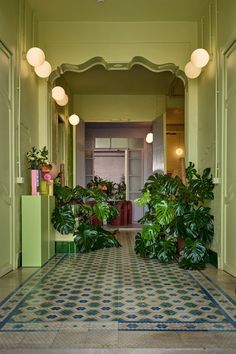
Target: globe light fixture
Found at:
x=35, y=56
x=74, y=119
x=43, y=70
x=179, y=151
x=58, y=93
x=149, y=138
x=64, y=101
x=200, y=57
x=191, y=70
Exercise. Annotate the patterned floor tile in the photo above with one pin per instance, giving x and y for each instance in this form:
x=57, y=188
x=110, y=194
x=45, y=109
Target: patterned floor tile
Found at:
x=113, y=289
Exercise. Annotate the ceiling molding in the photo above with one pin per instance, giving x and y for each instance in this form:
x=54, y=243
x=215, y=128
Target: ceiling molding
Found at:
x=137, y=60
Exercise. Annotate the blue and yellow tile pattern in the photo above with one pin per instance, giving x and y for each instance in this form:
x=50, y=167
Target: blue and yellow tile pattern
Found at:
x=116, y=288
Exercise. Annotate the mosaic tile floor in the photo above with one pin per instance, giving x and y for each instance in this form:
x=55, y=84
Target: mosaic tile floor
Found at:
x=116, y=290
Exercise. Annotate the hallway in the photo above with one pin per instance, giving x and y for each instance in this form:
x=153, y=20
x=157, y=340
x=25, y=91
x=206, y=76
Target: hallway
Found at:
x=113, y=299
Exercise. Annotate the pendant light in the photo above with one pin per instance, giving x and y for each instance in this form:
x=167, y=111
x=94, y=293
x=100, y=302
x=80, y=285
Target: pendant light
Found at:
x=179, y=151
x=43, y=70
x=63, y=102
x=74, y=119
x=191, y=70
x=149, y=138
x=200, y=57
x=58, y=93
x=35, y=56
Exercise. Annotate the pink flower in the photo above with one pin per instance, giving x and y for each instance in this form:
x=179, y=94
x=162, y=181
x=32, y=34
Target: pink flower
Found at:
x=47, y=177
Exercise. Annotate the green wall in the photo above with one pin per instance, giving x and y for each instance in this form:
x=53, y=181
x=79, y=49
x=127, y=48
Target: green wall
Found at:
x=132, y=108
x=219, y=33
x=159, y=42
x=77, y=42
x=16, y=32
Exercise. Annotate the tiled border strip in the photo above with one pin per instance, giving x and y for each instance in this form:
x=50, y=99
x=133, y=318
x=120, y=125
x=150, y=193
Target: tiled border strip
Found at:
x=8, y=305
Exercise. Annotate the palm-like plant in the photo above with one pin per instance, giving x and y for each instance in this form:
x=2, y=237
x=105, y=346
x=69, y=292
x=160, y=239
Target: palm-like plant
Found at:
x=180, y=211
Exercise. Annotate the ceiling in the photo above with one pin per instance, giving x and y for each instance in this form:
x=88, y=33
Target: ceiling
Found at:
x=136, y=81
x=119, y=10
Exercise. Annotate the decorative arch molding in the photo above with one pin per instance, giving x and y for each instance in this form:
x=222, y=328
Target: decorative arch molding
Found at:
x=137, y=60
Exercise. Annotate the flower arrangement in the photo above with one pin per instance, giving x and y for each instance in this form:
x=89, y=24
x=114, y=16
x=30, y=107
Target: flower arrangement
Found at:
x=37, y=158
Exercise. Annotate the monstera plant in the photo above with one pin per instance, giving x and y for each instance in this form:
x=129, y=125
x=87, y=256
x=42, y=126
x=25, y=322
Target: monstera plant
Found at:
x=74, y=213
x=177, y=210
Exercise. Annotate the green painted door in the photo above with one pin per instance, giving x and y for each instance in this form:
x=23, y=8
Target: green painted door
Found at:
x=230, y=163
x=6, y=130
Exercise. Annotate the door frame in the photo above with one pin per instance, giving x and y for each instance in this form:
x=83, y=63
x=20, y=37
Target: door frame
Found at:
x=13, y=253
x=223, y=264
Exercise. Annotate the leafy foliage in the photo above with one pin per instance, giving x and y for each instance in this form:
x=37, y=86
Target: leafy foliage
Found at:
x=194, y=255
x=79, y=206
x=114, y=191
x=90, y=238
x=178, y=210
x=166, y=250
x=63, y=219
x=37, y=158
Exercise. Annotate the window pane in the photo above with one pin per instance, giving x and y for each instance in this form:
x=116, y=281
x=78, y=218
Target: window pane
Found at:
x=102, y=143
x=135, y=167
x=119, y=142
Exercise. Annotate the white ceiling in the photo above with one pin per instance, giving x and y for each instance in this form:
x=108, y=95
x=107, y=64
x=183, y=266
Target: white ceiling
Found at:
x=119, y=10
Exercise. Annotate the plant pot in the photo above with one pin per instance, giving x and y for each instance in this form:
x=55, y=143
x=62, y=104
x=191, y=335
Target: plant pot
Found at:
x=180, y=243
x=43, y=187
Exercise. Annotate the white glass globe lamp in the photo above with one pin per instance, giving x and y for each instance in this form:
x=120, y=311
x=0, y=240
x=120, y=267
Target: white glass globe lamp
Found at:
x=43, y=70
x=58, y=93
x=200, y=57
x=35, y=56
x=149, y=138
x=74, y=119
x=64, y=101
x=179, y=151
x=192, y=71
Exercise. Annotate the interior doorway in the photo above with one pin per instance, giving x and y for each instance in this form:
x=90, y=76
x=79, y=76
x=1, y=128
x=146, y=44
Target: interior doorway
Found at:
x=143, y=91
x=122, y=166
x=109, y=165
x=119, y=153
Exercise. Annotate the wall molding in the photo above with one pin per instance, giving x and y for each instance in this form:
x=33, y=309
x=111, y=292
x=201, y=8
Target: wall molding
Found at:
x=137, y=60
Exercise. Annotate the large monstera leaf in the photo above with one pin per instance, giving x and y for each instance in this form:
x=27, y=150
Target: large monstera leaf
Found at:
x=194, y=255
x=199, y=223
x=165, y=212
x=91, y=238
x=63, y=219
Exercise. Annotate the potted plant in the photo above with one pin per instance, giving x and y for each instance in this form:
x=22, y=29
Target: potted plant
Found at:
x=74, y=214
x=36, y=159
x=177, y=210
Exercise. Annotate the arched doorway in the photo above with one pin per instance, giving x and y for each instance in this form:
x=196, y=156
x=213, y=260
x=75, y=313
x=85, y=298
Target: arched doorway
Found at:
x=125, y=94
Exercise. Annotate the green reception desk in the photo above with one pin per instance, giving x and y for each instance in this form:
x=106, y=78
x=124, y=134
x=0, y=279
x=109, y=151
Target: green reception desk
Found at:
x=38, y=235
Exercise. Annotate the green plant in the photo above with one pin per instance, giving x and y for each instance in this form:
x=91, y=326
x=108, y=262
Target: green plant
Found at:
x=87, y=204
x=180, y=211
x=194, y=255
x=74, y=212
x=114, y=191
x=90, y=238
x=63, y=219
x=37, y=158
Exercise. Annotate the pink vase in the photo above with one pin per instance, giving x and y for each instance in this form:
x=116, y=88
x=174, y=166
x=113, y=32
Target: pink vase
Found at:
x=34, y=182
